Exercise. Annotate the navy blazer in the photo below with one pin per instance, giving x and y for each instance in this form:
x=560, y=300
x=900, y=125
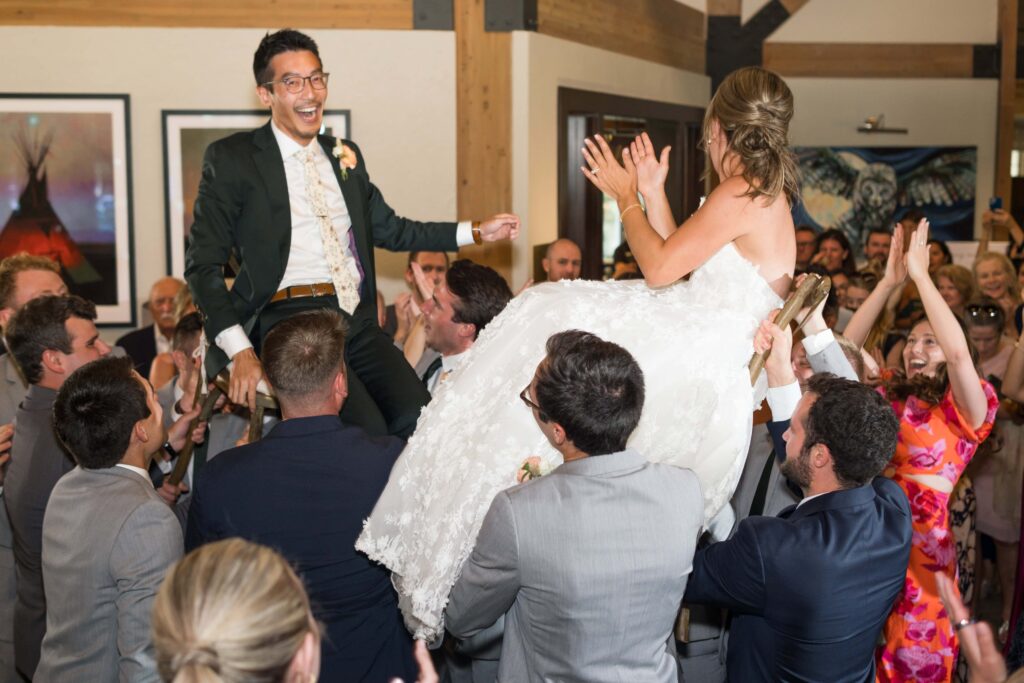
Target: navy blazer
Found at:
x=809, y=590
x=304, y=490
x=140, y=345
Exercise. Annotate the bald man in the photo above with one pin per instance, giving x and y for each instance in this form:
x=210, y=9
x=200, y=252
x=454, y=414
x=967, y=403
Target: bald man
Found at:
x=562, y=260
x=145, y=343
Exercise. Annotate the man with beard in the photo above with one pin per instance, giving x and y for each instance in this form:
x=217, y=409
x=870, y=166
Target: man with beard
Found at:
x=809, y=590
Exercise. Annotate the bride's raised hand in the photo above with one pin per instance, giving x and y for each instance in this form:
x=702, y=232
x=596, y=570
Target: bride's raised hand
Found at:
x=607, y=174
x=651, y=171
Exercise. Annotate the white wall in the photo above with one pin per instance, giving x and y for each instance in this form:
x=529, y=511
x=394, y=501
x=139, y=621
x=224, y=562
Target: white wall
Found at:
x=938, y=111
x=540, y=65
x=399, y=86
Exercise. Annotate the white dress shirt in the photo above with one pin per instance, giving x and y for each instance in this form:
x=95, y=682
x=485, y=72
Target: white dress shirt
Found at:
x=448, y=364
x=137, y=470
x=306, y=261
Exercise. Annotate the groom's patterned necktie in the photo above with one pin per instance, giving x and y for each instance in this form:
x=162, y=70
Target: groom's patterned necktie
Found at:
x=345, y=285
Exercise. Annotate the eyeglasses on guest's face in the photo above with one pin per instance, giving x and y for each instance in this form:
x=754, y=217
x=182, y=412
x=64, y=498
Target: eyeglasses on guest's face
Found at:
x=295, y=83
x=525, y=396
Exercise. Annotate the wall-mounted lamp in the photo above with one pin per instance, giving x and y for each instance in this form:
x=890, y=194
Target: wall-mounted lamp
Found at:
x=876, y=124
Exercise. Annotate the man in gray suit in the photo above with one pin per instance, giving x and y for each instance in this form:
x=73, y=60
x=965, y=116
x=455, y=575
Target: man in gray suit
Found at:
x=50, y=337
x=108, y=538
x=23, y=277
x=590, y=562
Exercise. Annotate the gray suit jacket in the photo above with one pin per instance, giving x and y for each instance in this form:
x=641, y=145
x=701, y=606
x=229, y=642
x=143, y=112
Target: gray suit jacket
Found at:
x=37, y=462
x=108, y=541
x=12, y=389
x=590, y=562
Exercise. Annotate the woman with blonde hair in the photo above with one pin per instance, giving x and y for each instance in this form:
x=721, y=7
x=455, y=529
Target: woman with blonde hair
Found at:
x=692, y=339
x=996, y=278
x=234, y=611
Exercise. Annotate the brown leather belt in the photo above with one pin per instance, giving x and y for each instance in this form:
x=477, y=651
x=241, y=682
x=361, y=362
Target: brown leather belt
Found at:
x=302, y=291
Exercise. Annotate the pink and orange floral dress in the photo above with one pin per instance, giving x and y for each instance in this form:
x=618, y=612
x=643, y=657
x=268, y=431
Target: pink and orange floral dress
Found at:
x=934, y=440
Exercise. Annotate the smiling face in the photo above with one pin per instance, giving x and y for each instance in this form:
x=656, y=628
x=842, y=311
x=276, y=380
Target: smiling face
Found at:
x=950, y=294
x=922, y=354
x=834, y=254
x=877, y=247
x=991, y=277
x=298, y=115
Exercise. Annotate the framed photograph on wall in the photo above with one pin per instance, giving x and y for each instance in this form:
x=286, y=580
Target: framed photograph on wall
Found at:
x=65, y=190
x=186, y=135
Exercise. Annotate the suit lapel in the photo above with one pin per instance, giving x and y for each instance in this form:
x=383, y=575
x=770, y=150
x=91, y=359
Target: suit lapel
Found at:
x=271, y=167
x=354, y=203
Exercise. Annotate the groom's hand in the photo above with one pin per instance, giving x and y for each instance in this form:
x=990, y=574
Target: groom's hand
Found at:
x=245, y=377
x=502, y=226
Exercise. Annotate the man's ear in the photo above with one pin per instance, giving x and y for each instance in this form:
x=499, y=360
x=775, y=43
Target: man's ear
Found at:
x=139, y=432
x=467, y=331
x=821, y=456
x=5, y=316
x=545, y=263
x=558, y=433
x=263, y=94
x=53, y=361
x=341, y=384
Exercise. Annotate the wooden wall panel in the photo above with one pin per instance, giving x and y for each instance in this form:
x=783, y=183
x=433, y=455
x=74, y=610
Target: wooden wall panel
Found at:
x=869, y=60
x=483, y=104
x=1007, y=98
x=662, y=31
x=866, y=60
x=375, y=14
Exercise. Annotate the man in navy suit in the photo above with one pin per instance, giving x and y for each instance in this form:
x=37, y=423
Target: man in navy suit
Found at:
x=305, y=490
x=810, y=589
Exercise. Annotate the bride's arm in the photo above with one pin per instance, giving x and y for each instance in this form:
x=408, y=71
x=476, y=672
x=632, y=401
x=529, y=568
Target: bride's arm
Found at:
x=664, y=260
x=651, y=172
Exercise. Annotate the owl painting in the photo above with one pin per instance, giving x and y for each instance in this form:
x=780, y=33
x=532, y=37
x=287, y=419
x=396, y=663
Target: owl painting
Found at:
x=856, y=189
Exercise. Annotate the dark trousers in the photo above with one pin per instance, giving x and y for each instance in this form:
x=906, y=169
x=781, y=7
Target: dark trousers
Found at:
x=384, y=394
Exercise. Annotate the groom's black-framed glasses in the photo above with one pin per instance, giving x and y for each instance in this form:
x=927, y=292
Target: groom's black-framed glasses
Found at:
x=294, y=84
x=525, y=396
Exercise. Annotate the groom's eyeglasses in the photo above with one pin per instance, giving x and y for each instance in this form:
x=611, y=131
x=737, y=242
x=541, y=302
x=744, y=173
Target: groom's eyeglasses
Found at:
x=294, y=84
x=525, y=396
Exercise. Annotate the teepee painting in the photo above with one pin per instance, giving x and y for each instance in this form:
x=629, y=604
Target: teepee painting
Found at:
x=64, y=193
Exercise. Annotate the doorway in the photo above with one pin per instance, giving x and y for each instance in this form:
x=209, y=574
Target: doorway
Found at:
x=586, y=216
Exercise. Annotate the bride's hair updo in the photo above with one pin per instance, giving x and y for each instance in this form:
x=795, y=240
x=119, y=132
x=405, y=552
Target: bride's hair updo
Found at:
x=753, y=106
x=231, y=612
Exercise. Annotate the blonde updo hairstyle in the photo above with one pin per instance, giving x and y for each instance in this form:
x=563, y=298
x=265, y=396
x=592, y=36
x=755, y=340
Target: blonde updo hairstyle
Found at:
x=231, y=612
x=753, y=107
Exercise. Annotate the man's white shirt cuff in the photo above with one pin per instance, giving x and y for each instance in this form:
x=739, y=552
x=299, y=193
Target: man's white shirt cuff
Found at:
x=464, y=233
x=783, y=400
x=232, y=339
x=816, y=343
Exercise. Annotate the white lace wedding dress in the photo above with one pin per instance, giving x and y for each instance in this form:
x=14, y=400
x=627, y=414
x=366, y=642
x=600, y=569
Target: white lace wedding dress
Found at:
x=693, y=341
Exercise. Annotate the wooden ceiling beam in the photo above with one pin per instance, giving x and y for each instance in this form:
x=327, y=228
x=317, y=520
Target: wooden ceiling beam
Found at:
x=870, y=60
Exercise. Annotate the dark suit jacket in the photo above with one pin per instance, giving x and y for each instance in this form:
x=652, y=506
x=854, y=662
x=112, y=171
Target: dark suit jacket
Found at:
x=809, y=590
x=305, y=490
x=37, y=463
x=140, y=346
x=243, y=208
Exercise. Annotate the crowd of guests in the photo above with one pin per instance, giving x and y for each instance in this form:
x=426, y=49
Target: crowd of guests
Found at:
x=879, y=504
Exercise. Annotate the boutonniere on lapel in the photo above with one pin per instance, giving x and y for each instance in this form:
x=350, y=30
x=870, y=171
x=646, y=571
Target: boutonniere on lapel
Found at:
x=346, y=157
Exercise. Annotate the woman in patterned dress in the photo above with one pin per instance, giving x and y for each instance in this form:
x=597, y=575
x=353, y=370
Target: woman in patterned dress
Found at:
x=945, y=411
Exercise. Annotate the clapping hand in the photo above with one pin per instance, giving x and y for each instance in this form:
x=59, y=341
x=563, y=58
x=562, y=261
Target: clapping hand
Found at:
x=608, y=175
x=917, y=253
x=896, y=265
x=651, y=171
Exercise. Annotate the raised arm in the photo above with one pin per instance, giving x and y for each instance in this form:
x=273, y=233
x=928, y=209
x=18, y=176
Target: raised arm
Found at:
x=963, y=376
x=859, y=327
x=665, y=260
x=651, y=172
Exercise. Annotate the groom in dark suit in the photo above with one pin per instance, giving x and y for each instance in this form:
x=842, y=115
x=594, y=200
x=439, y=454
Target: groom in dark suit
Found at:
x=300, y=214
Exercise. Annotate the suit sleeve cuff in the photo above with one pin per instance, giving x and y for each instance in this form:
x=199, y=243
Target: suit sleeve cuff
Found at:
x=232, y=340
x=782, y=401
x=816, y=343
x=464, y=233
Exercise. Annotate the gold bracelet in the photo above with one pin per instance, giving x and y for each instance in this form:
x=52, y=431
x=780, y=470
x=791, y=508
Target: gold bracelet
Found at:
x=627, y=209
x=477, y=237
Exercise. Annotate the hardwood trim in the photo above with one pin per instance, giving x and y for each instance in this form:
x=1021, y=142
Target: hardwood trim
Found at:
x=662, y=31
x=871, y=60
x=1007, y=99
x=361, y=14
x=724, y=8
x=1018, y=101
x=793, y=5
x=483, y=105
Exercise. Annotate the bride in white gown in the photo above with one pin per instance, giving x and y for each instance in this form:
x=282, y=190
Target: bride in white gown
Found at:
x=692, y=339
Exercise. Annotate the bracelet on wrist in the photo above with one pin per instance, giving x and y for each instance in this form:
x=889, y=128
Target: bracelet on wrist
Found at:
x=477, y=236
x=628, y=209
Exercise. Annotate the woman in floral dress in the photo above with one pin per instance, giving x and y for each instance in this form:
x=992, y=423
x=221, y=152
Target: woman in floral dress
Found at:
x=945, y=411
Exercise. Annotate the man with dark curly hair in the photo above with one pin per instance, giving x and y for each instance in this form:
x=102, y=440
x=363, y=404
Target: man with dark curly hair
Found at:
x=809, y=590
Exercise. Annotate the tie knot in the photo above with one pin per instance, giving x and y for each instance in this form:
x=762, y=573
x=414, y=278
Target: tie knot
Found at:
x=307, y=155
